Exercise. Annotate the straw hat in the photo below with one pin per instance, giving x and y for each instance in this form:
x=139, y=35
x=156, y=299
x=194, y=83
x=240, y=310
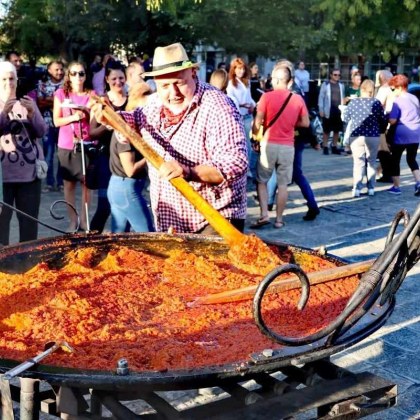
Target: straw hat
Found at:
x=170, y=59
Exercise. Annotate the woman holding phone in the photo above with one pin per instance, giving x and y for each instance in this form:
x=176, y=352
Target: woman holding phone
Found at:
x=21, y=124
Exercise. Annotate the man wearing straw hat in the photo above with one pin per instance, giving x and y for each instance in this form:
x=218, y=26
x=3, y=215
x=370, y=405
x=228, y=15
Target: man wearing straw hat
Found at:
x=199, y=133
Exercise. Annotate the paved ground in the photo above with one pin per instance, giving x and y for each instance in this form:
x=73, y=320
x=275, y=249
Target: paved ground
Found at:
x=352, y=228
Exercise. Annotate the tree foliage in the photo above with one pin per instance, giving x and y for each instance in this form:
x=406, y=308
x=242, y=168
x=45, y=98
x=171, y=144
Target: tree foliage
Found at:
x=252, y=26
x=372, y=26
x=269, y=28
x=75, y=28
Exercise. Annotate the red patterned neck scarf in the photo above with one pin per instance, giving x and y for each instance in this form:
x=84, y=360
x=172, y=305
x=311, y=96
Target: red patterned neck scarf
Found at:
x=169, y=119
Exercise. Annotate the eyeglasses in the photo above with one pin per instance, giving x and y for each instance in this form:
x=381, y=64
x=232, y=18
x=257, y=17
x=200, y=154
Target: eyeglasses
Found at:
x=75, y=73
x=337, y=74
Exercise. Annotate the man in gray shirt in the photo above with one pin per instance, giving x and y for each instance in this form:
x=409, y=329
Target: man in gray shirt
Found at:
x=331, y=95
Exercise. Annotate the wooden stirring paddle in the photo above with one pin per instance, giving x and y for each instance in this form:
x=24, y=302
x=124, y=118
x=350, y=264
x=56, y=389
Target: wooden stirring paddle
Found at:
x=284, y=284
x=247, y=252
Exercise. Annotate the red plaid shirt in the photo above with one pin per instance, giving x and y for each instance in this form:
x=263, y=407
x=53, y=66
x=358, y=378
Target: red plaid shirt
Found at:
x=211, y=133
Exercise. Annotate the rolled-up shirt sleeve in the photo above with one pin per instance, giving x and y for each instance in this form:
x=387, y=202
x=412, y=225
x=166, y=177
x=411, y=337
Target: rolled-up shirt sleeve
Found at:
x=227, y=143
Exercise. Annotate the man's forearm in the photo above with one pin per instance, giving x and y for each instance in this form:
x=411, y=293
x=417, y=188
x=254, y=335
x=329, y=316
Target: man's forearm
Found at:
x=205, y=173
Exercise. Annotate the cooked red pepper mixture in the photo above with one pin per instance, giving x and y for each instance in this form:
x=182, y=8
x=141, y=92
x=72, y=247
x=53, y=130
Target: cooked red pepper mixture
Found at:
x=135, y=305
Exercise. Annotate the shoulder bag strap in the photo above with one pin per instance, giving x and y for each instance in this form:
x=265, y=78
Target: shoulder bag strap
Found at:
x=280, y=111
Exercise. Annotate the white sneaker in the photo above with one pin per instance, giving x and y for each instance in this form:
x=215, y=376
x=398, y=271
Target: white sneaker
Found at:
x=371, y=192
x=356, y=192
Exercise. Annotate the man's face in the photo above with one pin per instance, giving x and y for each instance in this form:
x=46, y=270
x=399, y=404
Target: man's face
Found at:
x=176, y=90
x=335, y=76
x=302, y=65
x=16, y=61
x=56, y=72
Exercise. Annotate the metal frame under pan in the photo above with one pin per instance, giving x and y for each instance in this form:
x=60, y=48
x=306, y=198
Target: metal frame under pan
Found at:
x=21, y=257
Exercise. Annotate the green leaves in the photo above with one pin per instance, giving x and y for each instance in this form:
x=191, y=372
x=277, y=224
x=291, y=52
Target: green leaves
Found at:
x=272, y=28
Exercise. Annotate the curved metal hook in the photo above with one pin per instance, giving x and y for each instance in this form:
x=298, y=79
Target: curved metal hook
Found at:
x=394, y=261
x=262, y=288
x=402, y=214
x=54, y=216
x=2, y=203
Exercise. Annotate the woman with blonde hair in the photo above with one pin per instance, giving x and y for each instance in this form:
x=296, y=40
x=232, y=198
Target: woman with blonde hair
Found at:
x=365, y=118
x=239, y=91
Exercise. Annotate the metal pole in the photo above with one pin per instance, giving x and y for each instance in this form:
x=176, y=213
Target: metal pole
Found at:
x=84, y=189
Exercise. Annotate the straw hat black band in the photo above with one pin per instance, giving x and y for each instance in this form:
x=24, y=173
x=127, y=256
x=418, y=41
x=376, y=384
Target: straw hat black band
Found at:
x=166, y=66
x=170, y=59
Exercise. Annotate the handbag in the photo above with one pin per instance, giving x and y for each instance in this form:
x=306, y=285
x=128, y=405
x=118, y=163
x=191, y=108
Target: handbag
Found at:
x=41, y=168
x=260, y=134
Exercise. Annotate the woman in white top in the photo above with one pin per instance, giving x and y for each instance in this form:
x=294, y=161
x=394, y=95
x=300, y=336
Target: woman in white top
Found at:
x=239, y=90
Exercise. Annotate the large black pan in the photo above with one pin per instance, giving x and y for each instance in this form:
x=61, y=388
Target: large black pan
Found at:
x=19, y=258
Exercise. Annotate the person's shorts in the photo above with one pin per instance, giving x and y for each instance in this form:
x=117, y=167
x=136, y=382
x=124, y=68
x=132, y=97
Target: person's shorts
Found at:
x=276, y=157
x=334, y=124
x=71, y=164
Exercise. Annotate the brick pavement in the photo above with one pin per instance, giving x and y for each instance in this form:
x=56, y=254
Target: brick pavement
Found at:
x=352, y=228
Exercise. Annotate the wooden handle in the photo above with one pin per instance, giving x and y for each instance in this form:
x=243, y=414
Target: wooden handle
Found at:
x=219, y=223
x=282, y=285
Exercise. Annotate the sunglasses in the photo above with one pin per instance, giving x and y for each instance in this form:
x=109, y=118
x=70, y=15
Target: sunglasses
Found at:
x=337, y=74
x=75, y=73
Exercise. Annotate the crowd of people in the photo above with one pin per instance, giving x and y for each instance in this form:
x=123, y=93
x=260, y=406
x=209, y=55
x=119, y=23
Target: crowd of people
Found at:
x=222, y=137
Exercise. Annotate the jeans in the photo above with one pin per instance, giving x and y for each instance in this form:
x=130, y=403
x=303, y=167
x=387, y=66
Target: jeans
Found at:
x=298, y=178
x=50, y=146
x=128, y=205
x=252, y=156
x=25, y=196
x=364, y=150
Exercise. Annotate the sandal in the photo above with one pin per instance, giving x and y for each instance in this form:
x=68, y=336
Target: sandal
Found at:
x=262, y=221
x=279, y=225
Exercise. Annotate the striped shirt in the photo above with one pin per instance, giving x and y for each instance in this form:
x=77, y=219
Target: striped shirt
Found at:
x=210, y=133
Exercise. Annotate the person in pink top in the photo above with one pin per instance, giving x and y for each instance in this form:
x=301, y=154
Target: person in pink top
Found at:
x=277, y=147
x=71, y=114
